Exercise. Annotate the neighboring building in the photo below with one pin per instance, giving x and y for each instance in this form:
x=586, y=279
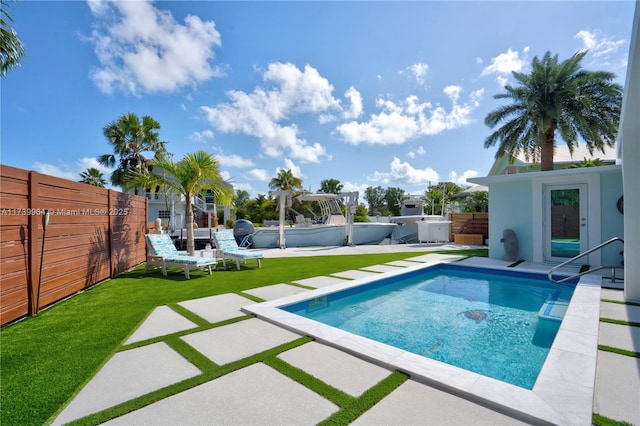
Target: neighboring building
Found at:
x=562, y=159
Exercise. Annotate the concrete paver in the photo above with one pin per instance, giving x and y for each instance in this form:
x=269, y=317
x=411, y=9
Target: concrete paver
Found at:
x=128, y=375
x=382, y=268
x=217, y=308
x=617, y=393
x=353, y=274
x=414, y=403
x=255, y=395
x=276, y=291
x=611, y=294
x=402, y=263
x=619, y=336
x=319, y=282
x=162, y=321
x=618, y=311
x=339, y=369
x=238, y=340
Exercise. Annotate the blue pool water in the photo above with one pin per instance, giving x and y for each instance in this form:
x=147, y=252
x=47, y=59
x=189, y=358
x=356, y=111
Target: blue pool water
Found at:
x=483, y=322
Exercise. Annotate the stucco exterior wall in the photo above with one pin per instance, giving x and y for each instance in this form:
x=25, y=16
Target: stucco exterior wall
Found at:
x=510, y=208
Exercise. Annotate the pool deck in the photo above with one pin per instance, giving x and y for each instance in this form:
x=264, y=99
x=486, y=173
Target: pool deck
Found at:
x=607, y=383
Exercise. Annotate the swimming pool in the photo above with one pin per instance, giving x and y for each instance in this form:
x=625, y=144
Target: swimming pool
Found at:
x=562, y=393
x=498, y=324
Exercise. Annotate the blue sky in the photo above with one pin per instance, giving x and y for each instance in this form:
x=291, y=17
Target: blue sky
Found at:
x=369, y=93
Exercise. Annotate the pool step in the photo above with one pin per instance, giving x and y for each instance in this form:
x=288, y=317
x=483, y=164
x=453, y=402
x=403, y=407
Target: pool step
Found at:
x=553, y=309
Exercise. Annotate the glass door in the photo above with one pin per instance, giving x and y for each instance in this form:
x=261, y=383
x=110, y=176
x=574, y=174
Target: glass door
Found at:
x=566, y=221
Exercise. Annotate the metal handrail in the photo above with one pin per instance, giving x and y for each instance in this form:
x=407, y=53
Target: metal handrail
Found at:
x=591, y=250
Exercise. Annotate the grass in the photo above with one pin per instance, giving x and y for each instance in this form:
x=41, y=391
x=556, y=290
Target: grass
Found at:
x=46, y=359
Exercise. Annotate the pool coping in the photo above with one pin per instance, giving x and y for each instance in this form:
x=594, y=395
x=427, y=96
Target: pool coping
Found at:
x=562, y=394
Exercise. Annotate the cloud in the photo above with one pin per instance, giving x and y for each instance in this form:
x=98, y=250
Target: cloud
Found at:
x=504, y=64
x=419, y=151
x=355, y=109
x=419, y=71
x=258, y=174
x=360, y=188
x=234, y=161
x=399, y=122
x=266, y=113
x=405, y=173
x=462, y=179
x=602, y=49
x=142, y=49
x=290, y=165
x=72, y=171
x=203, y=136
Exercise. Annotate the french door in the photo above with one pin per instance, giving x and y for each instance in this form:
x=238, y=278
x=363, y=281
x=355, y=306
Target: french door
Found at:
x=565, y=222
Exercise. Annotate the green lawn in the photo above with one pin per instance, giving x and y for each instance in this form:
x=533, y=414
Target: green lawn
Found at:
x=46, y=359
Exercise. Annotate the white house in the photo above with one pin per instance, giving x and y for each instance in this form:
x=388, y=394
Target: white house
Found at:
x=535, y=205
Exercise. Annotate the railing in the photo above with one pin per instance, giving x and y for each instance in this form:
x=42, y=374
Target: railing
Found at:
x=200, y=203
x=588, y=271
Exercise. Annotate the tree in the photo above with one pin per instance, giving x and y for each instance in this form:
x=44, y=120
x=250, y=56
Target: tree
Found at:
x=261, y=208
x=438, y=196
x=556, y=97
x=476, y=202
x=11, y=48
x=286, y=180
x=131, y=138
x=240, y=203
x=375, y=199
x=93, y=176
x=331, y=186
x=588, y=162
x=196, y=172
x=393, y=196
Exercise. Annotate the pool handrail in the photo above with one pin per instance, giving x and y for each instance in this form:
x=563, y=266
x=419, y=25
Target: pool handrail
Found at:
x=590, y=270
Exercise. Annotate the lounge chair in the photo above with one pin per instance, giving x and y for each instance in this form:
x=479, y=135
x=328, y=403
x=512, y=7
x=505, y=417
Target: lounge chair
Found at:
x=226, y=242
x=161, y=252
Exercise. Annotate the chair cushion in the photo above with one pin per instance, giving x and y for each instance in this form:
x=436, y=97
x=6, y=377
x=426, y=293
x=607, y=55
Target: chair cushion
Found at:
x=161, y=245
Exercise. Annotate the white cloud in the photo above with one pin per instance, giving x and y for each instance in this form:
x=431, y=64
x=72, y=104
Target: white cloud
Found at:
x=142, y=49
x=234, y=161
x=258, y=174
x=419, y=151
x=462, y=179
x=419, y=71
x=266, y=112
x=406, y=173
x=602, y=49
x=290, y=165
x=351, y=187
x=399, y=122
x=505, y=63
x=72, y=171
x=203, y=136
x=355, y=109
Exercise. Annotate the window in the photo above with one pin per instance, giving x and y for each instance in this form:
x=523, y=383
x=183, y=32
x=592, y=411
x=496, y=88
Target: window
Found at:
x=164, y=214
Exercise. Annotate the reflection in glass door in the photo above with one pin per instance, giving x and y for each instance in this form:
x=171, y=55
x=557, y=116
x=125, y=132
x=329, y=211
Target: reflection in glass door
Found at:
x=566, y=221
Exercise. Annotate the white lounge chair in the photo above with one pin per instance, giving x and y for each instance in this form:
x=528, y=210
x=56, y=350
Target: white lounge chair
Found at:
x=226, y=242
x=161, y=252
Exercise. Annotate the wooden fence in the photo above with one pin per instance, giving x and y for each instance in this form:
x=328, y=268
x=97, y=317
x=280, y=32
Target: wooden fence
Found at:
x=93, y=234
x=459, y=219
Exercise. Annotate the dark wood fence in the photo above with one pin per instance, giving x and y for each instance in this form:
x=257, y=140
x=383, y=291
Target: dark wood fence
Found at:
x=93, y=234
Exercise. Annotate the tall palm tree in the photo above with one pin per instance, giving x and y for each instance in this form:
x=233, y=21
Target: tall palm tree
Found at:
x=131, y=138
x=582, y=106
x=11, y=48
x=194, y=173
x=93, y=176
x=285, y=180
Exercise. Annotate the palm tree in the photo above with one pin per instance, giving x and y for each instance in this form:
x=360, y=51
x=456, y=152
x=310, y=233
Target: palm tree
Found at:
x=130, y=138
x=11, y=48
x=556, y=97
x=94, y=177
x=587, y=162
x=196, y=172
x=285, y=180
x=331, y=186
